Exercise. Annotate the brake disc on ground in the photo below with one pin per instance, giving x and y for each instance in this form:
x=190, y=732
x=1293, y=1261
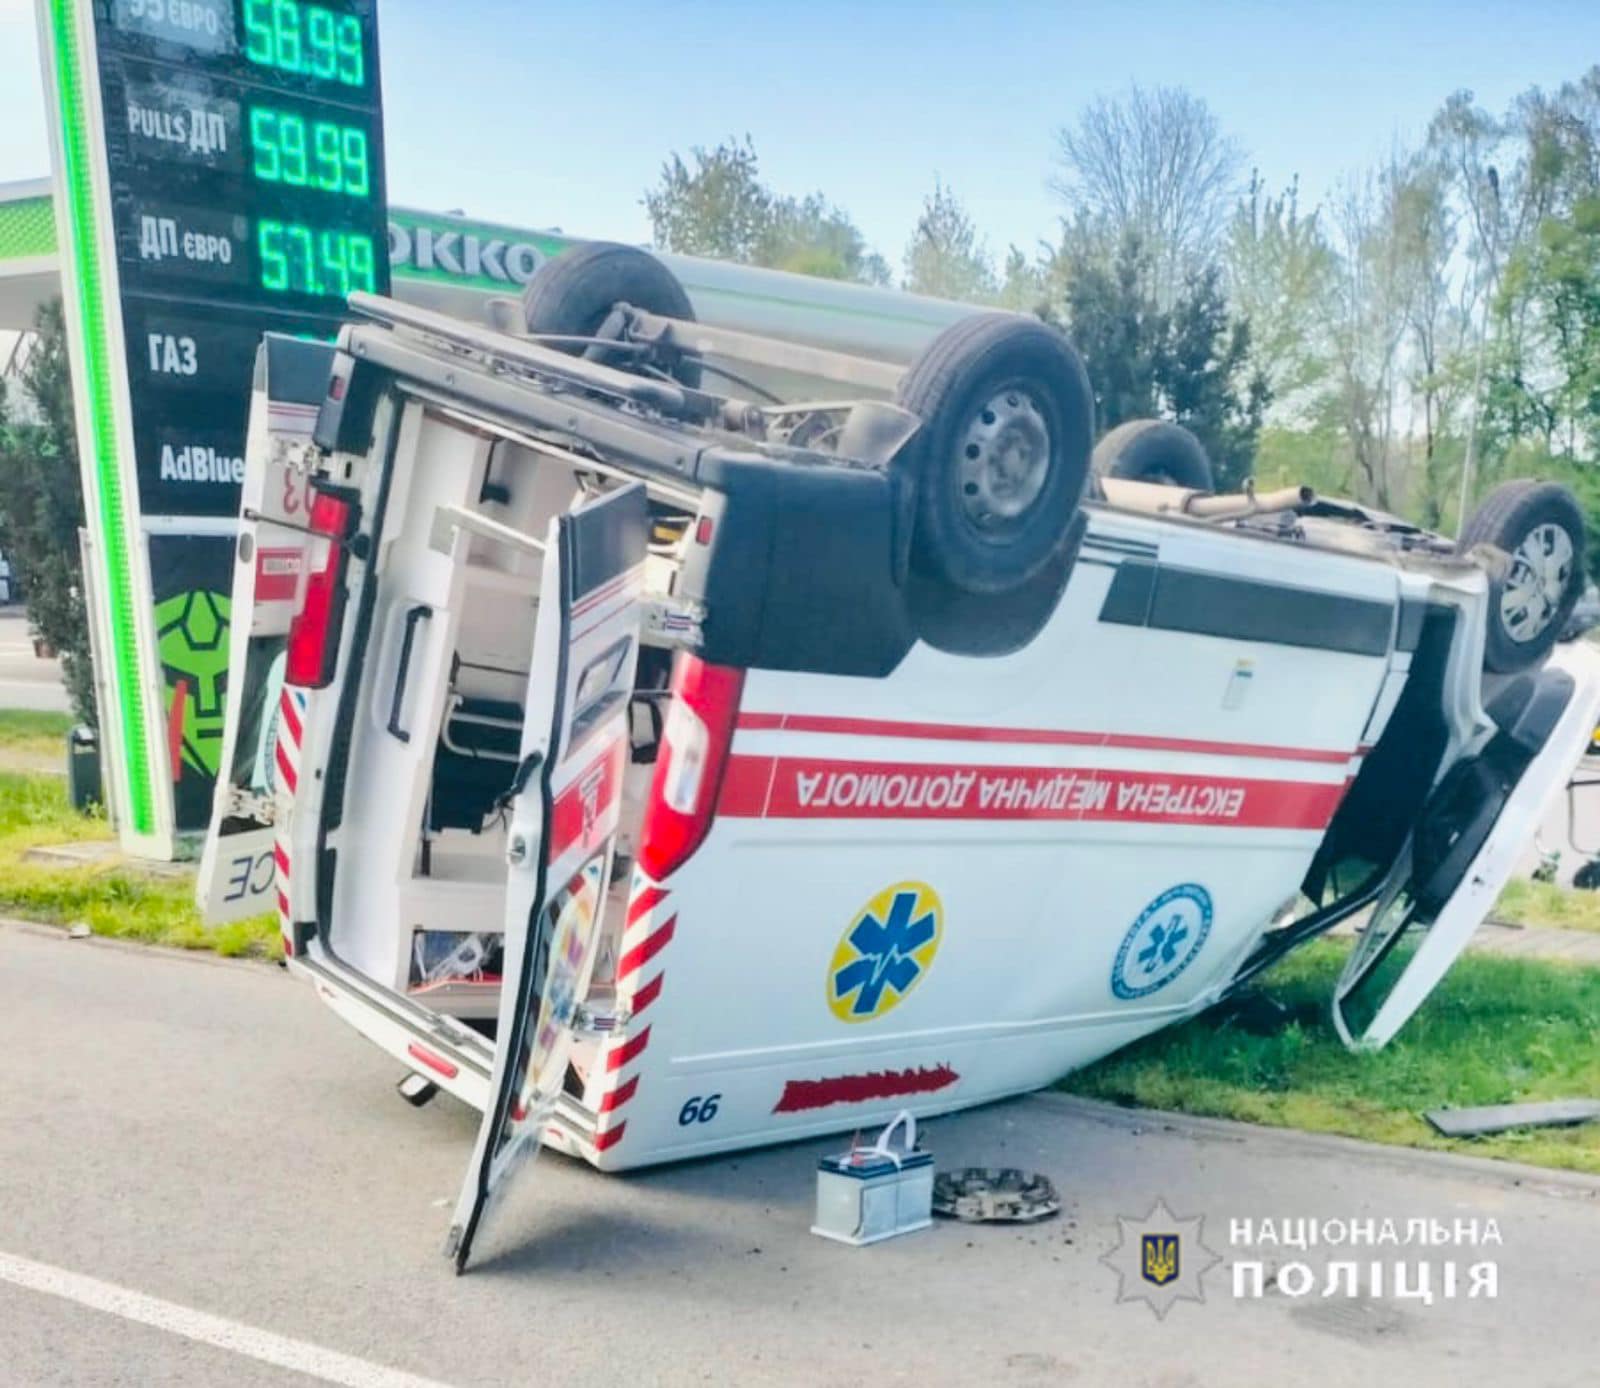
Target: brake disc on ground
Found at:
x=985, y=1195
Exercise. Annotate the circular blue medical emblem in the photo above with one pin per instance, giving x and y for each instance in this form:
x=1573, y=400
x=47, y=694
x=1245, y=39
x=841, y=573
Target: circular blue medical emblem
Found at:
x=1163, y=941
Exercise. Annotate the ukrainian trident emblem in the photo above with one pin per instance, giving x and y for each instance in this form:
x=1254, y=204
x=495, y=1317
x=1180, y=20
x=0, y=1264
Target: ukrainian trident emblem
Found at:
x=1159, y=1258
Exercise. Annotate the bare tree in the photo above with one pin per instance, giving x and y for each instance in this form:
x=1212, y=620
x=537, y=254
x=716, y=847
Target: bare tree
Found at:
x=1369, y=303
x=1154, y=162
x=1280, y=267
x=1423, y=225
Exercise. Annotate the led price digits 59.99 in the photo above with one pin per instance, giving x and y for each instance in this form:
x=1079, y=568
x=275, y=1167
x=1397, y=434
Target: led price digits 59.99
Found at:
x=320, y=154
x=324, y=261
x=304, y=39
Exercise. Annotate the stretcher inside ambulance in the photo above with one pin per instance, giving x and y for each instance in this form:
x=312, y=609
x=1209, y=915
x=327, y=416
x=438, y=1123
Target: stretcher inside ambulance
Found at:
x=663, y=772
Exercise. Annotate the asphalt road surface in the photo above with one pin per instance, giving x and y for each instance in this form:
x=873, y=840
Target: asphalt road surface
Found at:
x=26, y=681
x=205, y=1177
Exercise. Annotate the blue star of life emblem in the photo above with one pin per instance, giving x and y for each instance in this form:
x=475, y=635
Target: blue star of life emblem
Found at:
x=1163, y=941
x=885, y=944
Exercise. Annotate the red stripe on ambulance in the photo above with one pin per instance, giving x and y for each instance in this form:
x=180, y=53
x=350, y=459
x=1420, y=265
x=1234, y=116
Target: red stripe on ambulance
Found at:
x=642, y=953
x=628, y=1050
x=286, y=769
x=618, y=1096
x=644, y=902
x=810, y=788
x=1046, y=737
x=609, y=1138
x=646, y=937
x=646, y=995
x=291, y=717
x=581, y=813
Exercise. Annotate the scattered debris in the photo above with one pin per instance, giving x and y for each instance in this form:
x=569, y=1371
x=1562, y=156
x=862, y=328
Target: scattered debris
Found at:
x=987, y=1195
x=1499, y=1118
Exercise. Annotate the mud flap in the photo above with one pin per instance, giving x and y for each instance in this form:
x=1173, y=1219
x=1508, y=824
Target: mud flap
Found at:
x=1449, y=918
x=564, y=818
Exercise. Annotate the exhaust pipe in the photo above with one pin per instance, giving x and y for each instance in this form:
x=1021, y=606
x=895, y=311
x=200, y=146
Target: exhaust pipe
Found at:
x=1159, y=499
x=1248, y=502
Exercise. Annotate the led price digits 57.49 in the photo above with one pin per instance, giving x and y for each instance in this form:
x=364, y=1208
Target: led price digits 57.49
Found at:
x=320, y=154
x=323, y=261
x=304, y=39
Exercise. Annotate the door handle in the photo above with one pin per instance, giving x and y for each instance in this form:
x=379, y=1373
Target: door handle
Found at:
x=419, y=613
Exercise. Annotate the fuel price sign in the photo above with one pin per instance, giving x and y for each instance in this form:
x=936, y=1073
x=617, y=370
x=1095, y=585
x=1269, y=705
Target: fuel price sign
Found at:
x=220, y=174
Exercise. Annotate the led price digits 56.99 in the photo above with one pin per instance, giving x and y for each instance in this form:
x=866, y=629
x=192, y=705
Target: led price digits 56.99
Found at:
x=305, y=39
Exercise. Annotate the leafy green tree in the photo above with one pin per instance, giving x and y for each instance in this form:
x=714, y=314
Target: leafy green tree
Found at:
x=1190, y=363
x=1206, y=380
x=41, y=508
x=945, y=256
x=716, y=205
x=1025, y=285
x=717, y=208
x=810, y=236
x=1116, y=326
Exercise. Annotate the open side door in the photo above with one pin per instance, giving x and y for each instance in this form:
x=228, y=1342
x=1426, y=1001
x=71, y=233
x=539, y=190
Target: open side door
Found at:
x=1465, y=847
x=564, y=821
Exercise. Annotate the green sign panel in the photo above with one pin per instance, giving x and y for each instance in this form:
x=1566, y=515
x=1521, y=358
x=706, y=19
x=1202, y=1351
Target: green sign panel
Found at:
x=219, y=174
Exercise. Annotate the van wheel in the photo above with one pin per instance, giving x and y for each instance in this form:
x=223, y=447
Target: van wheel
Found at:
x=990, y=624
x=1153, y=450
x=573, y=295
x=999, y=465
x=1540, y=526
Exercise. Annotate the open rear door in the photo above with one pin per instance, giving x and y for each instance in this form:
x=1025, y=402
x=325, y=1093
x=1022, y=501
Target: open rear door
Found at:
x=238, y=875
x=564, y=821
x=1447, y=904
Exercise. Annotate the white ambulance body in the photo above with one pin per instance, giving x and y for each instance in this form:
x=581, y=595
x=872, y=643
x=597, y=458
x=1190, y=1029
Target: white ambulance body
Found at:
x=632, y=788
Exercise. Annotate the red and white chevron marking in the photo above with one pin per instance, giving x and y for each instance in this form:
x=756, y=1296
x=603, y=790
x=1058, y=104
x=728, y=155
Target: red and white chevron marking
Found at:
x=646, y=931
x=286, y=776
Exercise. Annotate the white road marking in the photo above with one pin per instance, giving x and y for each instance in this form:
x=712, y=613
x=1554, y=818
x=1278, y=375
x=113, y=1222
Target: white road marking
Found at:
x=326, y=1364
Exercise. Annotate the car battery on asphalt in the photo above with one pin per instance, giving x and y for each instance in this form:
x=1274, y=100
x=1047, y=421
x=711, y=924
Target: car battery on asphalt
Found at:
x=872, y=1193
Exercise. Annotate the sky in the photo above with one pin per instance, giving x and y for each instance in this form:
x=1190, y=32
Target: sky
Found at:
x=545, y=115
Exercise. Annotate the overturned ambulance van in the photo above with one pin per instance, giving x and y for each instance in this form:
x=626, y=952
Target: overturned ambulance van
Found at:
x=665, y=769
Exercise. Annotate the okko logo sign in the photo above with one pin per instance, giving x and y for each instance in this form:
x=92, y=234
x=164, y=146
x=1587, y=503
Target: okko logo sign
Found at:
x=885, y=952
x=461, y=255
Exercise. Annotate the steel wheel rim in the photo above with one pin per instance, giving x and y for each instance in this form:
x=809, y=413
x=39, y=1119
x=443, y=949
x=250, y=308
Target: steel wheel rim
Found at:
x=1541, y=573
x=1004, y=460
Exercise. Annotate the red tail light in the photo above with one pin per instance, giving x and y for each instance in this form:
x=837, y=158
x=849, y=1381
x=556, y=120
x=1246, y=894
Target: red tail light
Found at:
x=314, y=633
x=694, y=754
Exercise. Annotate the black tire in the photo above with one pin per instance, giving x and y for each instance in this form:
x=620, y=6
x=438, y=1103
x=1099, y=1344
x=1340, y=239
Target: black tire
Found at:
x=572, y=295
x=1513, y=514
x=1153, y=450
x=1030, y=371
x=1587, y=877
x=963, y=623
